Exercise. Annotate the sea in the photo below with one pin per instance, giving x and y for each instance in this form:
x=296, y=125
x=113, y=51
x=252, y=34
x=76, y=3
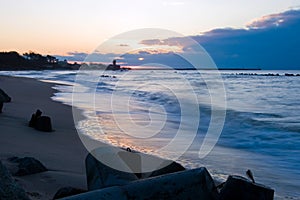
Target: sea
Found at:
x=227, y=121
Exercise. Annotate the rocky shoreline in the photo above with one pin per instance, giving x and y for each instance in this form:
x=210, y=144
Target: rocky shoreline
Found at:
x=169, y=182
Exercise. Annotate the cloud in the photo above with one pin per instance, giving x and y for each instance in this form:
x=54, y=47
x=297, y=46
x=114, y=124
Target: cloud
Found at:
x=123, y=45
x=151, y=42
x=271, y=20
x=274, y=20
x=175, y=41
x=270, y=42
x=170, y=60
x=73, y=56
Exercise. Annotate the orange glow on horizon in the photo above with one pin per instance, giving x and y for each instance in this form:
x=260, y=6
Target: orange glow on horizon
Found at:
x=143, y=67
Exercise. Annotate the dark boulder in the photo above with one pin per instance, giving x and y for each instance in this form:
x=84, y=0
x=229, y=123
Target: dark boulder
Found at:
x=124, y=167
x=39, y=122
x=37, y=114
x=43, y=123
x=100, y=175
x=67, y=191
x=167, y=167
x=188, y=184
x=237, y=187
x=9, y=189
x=28, y=165
x=287, y=74
x=4, y=97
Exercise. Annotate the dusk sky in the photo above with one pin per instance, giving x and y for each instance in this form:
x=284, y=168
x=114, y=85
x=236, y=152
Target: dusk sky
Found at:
x=68, y=28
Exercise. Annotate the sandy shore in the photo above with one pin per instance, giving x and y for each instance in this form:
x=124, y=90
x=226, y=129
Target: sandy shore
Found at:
x=60, y=151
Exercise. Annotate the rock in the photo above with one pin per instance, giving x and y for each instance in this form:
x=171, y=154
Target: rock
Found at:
x=287, y=74
x=131, y=159
x=145, y=166
x=37, y=114
x=4, y=97
x=34, y=195
x=124, y=167
x=14, y=159
x=237, y=187
x=39, y=122
x=100, y=176
x=188, y=184
x=109, y=193
x=67, y=191
x=168, y=167
x=43, y=123
x=9, y=189
x=28, y=165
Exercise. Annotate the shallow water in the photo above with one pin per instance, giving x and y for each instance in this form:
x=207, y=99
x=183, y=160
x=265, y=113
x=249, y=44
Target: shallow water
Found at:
x=145, y=110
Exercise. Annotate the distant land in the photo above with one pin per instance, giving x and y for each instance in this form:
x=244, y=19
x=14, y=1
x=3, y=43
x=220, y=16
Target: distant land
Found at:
x=32, y=61
x=13, y=61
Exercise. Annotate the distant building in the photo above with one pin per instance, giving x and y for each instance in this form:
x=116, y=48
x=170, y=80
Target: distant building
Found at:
x=113, y=66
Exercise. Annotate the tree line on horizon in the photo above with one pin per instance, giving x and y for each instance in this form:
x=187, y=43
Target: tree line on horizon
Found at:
x=32, y=61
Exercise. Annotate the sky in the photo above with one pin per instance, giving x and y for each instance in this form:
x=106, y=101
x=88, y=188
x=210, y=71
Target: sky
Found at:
x=61, y=26
x=65, y=27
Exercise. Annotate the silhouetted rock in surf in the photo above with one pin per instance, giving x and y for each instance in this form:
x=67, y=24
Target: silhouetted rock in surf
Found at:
x=237, y=187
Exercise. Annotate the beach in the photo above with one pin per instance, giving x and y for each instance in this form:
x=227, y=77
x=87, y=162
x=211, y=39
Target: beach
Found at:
x=61, y=150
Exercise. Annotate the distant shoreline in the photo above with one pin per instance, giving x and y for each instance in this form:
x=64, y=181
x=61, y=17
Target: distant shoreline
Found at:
x=126, y=68
x=208, y=69
x=133, y=69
